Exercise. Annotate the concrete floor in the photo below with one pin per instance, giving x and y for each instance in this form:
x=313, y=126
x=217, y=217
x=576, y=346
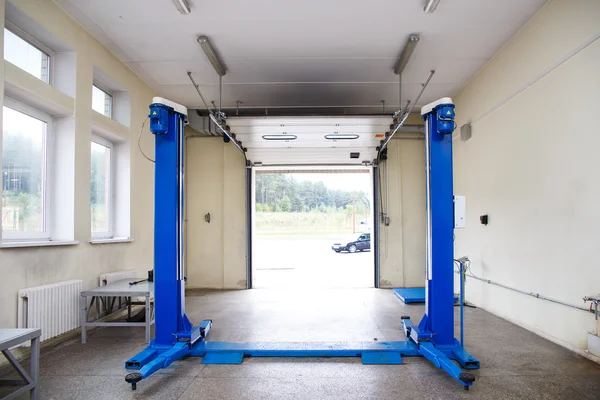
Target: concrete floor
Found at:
x=313, y=264
x=515, y=364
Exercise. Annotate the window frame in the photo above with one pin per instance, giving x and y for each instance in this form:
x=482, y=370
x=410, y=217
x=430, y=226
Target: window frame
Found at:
x=46, y=234
x=110, y=94
x=109, y=234
x=26, y=37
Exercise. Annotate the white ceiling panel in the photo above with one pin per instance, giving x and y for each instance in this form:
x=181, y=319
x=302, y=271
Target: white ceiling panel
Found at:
x=256, y=72
x=267, y=45
x=308, y=95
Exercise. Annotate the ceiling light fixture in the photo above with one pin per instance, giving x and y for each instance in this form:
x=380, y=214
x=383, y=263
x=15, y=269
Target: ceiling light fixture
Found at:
x=341, y=137
x=411, y=43
x=183, y=6
x=212, y=55
x=280, y=137
x=430, y=6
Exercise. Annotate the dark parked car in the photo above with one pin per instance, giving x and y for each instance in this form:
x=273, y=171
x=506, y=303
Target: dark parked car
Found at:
x=357, y=243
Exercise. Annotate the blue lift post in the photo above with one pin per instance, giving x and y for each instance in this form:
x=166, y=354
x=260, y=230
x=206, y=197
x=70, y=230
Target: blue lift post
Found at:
x=176, y=337
x=434, y=335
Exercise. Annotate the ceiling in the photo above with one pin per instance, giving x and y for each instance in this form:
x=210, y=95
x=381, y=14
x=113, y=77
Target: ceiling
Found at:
x=298, y=58
x=312, y=53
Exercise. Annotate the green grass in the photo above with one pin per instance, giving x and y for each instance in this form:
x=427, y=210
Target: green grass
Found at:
x=303, y=235
x=311, y=224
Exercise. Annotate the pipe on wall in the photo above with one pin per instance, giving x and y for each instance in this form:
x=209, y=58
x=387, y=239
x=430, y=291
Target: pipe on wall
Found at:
x=376, y=211
x=531, y=294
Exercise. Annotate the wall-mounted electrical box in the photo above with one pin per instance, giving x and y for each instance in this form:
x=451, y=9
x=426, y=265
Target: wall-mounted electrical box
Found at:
x=465, y=132
x=460, y=212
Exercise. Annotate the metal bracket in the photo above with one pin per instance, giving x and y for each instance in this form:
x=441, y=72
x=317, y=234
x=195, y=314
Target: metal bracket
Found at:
x=595, y=300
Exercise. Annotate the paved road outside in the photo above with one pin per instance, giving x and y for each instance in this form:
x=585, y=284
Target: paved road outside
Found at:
x=309, y=263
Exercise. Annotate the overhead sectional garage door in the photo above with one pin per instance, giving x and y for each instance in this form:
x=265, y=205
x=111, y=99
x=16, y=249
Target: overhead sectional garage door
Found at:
x=310, y=140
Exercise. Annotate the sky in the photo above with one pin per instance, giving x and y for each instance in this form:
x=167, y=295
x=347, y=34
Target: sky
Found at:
x=21, y=54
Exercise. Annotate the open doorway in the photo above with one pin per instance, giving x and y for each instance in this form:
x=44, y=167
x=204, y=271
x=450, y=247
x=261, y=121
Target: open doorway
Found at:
x=313, y=228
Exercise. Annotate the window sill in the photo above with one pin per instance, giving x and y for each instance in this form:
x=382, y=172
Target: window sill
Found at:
x=111, y=240
x=38, y=243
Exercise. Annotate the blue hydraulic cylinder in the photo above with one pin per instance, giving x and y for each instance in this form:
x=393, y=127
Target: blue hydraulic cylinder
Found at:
x=439, y=319
x=167, y=125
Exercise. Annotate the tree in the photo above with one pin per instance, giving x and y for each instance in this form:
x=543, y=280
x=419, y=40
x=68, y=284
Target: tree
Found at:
x=285, y=204
x=22, y=178
x=272, y=190
x=296, y=203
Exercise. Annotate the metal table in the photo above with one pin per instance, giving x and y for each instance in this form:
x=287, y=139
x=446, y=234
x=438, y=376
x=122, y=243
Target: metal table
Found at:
x=14, y=337
x=117, y=290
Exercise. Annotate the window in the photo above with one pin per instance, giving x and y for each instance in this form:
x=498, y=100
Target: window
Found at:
x=101, y=187
x=102, y=101
x=25, y=144
x=26, y=56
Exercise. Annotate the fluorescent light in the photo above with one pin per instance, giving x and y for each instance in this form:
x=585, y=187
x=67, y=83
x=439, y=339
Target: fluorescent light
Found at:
x=341, y=137
x=212, y=56
x=430, y=6
x=183, y=6
x=411, y=43
x=280, y=137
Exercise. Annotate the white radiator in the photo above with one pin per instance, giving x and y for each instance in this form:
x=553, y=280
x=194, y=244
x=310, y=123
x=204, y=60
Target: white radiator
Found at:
x=111, y=277
x=54, y=308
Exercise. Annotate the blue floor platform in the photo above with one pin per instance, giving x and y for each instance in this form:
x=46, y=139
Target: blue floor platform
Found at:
x=418, y=343
x=154, y=358
x=413, y=295
x=386, y=353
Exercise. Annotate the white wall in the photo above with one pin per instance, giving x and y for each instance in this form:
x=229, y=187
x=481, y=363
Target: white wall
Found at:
x=25, y=267
x=532, y=165
x=215, y=184
x=402, y=243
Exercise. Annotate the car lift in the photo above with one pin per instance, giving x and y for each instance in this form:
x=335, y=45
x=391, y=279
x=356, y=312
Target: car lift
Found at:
x=433, y=338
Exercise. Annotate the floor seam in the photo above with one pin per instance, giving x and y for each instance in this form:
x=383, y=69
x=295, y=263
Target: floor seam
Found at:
x=187, y=387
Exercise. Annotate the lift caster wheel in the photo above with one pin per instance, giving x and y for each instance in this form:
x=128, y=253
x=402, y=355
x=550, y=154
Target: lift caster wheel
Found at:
x=466, y=378
x=133, y=378
x=405, y=317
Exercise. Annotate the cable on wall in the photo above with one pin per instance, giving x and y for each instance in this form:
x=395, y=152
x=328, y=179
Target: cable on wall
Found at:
x=139, y=141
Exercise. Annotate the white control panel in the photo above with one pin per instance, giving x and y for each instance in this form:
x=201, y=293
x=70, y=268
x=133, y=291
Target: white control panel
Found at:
x=460, y=212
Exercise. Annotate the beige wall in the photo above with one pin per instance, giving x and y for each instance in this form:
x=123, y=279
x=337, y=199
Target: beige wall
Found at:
x=216, y=251
x=215, y=184
x=402, y=243
x=532, y=165
x=25, y=267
